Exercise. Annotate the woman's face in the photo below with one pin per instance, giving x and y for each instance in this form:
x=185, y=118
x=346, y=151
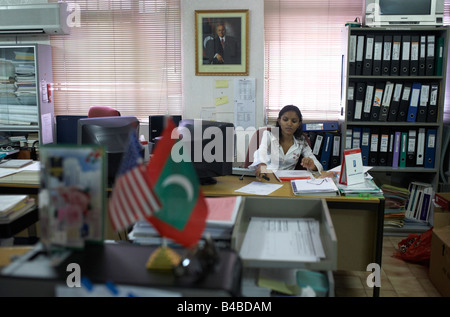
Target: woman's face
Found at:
x=289, y=123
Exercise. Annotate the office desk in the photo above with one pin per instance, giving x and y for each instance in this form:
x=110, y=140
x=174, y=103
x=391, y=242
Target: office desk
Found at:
x=26, y=221
x=358, y=222
x=24, y=182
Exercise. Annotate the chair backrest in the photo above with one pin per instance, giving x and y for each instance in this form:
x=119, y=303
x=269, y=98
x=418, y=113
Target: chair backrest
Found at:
x=102, y=111
x=254, y=145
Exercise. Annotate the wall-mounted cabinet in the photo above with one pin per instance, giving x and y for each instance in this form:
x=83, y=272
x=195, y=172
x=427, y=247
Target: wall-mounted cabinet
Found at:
x=393, y=93
x=26, y=103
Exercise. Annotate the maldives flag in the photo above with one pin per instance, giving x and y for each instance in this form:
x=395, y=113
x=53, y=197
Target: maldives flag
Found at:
x=182, y=216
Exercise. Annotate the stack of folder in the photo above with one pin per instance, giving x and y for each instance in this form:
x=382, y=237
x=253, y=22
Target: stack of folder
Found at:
x=395, y=205
x=325, y=141
x=396, y=54
x=14, y=206
x=314, y=187
x=18, y=98
x=392, y=101
x=222, y=213
x=419, y=201
x=366, y=189
x=395, y=146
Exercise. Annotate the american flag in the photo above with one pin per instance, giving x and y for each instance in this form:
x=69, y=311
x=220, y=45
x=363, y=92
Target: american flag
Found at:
x=132, y=197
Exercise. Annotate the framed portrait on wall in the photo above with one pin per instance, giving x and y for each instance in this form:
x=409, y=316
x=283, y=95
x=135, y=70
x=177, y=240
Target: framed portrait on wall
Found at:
x=221, y=42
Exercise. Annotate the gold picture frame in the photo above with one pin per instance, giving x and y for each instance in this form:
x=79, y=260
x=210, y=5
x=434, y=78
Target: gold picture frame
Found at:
x=231, y=59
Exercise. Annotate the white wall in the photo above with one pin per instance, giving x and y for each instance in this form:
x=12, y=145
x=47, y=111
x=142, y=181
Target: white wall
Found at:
x=199, y=91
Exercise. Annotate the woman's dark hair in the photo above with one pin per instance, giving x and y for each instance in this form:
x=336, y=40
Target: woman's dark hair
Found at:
x=298, y=134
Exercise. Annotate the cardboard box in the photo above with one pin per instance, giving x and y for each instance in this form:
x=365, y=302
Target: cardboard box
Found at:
x=441, y=217
x=440, y=260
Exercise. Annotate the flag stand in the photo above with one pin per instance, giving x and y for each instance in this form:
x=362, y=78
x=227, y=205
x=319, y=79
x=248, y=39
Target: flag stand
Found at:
x=163, y=258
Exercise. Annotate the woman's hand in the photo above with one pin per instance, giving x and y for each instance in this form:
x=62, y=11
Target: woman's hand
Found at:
x=261, y=172
x=308, y=162
x=327, y=174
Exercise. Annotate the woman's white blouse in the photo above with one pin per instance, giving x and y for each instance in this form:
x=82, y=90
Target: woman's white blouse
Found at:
x=271, y=153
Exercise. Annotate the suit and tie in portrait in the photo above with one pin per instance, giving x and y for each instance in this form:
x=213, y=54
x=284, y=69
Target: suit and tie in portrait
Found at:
x=223, y=49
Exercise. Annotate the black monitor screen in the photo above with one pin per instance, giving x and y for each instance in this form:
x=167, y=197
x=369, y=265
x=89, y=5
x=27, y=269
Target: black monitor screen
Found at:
x=405, y=7
x=156, y=125
x=211, y=146
x=112, y=133
x=66, y=129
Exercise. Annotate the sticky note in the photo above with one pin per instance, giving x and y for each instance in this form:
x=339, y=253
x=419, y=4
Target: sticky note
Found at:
x=221, y=100
x=221, y=83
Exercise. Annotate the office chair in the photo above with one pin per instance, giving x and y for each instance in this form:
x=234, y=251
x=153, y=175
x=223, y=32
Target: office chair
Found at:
x=254, y=144
x=102, y=111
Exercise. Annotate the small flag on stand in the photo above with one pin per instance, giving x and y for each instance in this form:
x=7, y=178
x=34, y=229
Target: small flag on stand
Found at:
x=183, y=212
x=132, y=197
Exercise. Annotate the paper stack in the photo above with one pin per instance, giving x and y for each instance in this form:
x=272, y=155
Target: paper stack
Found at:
x=366, y=189
x=14, y=206
x=222, y=213
x=314, y=187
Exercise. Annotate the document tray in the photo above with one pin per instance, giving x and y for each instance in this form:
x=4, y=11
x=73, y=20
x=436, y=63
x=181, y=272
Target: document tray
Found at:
x=277, y=207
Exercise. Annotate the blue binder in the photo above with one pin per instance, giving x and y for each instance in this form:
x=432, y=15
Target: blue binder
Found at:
x=414, y=102
x=430, y=148
x=326, y=150
x=365, y=145
x=374, y=146
x=321, y=126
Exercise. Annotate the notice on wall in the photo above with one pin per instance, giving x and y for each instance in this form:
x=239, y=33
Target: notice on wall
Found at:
x=46, y=128
x=244, y=103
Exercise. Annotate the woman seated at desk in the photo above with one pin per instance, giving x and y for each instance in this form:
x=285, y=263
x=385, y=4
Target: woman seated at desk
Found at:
x=281, y=148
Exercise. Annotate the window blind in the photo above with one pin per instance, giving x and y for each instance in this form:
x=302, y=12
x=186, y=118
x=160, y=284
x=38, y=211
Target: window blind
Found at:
x=303, y=55
x=127, y=54
x=122, y=53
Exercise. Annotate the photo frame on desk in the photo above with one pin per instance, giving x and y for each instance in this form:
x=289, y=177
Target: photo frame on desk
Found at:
x=72, y=195
x=211, y=58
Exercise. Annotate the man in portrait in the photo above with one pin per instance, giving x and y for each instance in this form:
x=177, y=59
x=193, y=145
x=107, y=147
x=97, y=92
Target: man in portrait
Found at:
x=223, y=48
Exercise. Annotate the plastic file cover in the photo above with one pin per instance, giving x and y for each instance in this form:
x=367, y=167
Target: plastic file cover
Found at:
x=320, y=186
x=368, y=188
x=287, y=239
x=294, y=208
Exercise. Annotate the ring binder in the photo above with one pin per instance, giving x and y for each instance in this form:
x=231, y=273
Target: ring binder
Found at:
x=422, y=110
x=406, y=48
x=414, y=60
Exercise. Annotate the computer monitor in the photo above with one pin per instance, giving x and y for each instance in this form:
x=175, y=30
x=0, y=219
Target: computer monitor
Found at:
x=66, y=129
x=156, y=125
x=111, y=132
x=211, y=146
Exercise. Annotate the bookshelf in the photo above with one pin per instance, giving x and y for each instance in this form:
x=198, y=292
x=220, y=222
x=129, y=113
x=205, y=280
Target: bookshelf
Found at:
x=26, y=101
x=382, y=97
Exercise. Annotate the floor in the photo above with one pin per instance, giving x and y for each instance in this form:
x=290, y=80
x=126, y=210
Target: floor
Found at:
x=398, y=278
